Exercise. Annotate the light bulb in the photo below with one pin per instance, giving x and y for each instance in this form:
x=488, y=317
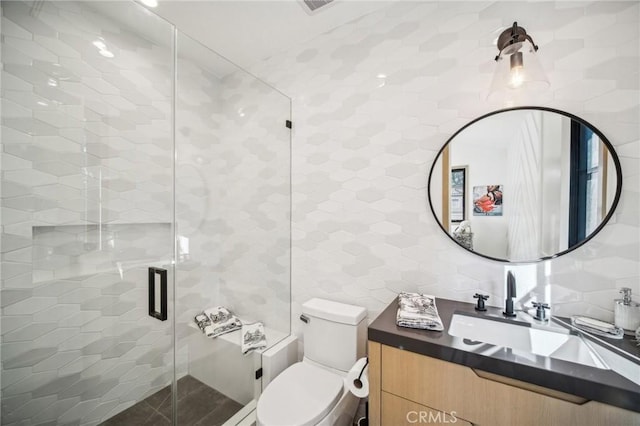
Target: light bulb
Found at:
x=516, y=73
x=516, y=77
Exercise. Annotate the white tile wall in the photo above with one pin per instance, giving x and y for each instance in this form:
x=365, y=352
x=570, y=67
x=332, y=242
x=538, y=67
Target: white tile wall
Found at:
x=375, y=99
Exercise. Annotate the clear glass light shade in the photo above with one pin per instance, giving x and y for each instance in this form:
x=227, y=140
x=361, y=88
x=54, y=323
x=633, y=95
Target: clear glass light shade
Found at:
x=517, y=74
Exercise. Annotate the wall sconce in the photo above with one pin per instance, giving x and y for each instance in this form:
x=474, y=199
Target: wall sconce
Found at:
x=522, y=71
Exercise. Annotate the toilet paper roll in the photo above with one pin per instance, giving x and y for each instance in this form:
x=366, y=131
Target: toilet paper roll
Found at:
x=358, y=378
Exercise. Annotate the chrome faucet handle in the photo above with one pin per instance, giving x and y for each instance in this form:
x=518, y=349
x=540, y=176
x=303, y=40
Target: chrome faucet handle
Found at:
x=540, y=310
x=481, y=298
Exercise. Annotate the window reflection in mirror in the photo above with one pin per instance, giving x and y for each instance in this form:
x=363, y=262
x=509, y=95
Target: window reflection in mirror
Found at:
x=590, y=196
x=458, y=194
x=560, y=181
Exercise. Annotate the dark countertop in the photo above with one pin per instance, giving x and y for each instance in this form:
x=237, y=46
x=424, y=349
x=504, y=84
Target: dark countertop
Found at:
x=591, y=383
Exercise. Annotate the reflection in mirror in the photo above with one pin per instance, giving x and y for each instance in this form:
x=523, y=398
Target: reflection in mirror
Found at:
x=524, y=184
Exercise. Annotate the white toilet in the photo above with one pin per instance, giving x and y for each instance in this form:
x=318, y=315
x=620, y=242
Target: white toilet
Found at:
x=314, y=391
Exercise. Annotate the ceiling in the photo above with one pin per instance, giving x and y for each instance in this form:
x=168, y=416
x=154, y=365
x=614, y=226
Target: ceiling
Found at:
x=246, y=31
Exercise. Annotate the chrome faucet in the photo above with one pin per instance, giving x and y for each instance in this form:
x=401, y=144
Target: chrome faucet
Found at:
x=511, y=293
x=540, y=310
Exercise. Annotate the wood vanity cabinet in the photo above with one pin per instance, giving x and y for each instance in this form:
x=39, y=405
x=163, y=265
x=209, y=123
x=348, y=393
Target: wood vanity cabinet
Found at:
x=406, y=388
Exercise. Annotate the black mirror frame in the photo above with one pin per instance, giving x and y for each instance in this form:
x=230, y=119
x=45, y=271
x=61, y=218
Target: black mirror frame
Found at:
x=603, y=139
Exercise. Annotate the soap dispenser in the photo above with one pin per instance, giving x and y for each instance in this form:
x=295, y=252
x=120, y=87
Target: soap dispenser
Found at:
x=627, y=312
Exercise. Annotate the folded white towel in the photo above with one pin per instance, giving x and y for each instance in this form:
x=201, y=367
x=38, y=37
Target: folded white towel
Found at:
x=607, y=327
x=417, y=310
x=598, y=327
x=253, y=337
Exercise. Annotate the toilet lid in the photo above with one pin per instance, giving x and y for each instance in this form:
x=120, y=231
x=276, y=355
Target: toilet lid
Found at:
x=300, y=396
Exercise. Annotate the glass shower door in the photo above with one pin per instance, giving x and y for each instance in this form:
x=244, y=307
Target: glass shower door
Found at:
x=87, y=209
x=233, y=198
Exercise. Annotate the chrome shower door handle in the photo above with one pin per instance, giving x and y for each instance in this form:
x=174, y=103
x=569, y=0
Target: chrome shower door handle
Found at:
x=154, y=289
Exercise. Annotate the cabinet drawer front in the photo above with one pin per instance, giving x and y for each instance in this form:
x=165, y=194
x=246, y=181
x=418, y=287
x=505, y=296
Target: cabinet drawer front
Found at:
x=450, y=387
x=428, y=381
x=398, y=411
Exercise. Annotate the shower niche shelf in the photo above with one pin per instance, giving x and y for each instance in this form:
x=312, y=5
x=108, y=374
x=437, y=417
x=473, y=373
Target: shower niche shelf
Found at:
x=68, y=251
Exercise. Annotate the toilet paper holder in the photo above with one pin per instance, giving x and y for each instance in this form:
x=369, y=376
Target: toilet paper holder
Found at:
x=357, y=382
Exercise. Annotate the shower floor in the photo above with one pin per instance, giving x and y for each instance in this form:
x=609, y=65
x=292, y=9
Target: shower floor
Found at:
x=198, y=405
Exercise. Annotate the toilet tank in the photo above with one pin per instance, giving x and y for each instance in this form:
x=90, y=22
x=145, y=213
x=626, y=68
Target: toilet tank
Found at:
x=335, y=333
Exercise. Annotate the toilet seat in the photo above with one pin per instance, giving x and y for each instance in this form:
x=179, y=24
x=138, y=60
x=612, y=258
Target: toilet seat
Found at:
x=300, y=396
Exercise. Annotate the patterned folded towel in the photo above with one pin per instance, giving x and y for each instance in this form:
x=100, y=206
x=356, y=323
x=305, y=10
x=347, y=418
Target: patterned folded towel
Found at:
x=217, y=321
x=417, y=310
x=253, y=337
x=202, y=321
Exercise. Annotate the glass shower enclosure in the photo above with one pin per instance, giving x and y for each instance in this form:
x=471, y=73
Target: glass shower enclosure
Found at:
x=144, y=179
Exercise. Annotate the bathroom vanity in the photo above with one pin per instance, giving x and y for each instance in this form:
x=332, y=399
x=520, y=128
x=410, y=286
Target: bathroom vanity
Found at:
x=430, y=377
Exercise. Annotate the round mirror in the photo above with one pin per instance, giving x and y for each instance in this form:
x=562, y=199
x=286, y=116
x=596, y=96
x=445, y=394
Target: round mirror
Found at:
x=524, y=184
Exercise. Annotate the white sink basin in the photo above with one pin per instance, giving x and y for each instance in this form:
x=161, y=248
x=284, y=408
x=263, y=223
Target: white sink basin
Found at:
x=544, y=341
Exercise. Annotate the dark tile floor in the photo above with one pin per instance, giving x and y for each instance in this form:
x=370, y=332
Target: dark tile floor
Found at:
x=198, y=405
